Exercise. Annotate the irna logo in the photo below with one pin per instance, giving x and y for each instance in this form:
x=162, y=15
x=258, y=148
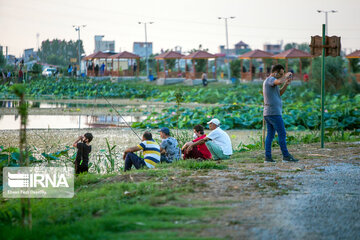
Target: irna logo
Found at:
x=20, y=180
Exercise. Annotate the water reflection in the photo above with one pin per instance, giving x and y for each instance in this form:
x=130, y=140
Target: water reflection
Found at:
x=12, y=122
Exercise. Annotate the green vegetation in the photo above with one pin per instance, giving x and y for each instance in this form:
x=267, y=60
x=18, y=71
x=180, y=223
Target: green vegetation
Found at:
x=59, y=52
x=115, y=210
x=241, y=104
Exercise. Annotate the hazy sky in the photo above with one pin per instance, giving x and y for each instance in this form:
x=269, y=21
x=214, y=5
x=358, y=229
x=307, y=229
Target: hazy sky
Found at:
x=185, y=23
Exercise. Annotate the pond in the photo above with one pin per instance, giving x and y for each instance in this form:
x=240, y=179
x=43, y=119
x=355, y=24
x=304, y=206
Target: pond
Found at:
x=12, y=122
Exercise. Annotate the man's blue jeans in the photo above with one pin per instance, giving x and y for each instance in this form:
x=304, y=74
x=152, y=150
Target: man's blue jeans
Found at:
x=275, y=123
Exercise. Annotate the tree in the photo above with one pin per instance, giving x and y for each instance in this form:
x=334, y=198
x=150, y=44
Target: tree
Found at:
x=36, y=68
x=335, y=77
x=235, y=66
x=355, y=65
x=59, y=52
x=2, y=60
x=289, y=46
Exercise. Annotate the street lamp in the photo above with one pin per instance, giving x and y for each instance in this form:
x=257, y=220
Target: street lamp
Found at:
x=227, y=42
x=146, y=48
x=326, y=18
x=77, y=28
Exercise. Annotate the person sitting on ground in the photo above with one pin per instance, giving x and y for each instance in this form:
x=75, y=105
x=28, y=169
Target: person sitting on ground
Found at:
x=200, y=151
x=82, y=143
x=169, y=147
x=151, y=154
x=218, y=142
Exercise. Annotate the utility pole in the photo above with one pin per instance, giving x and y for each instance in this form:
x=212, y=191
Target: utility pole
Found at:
x=77, y=28
x=146, y=48
x=227, y=44
x=326, y=18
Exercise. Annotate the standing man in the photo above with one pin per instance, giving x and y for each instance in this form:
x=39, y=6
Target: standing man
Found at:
x=218, y=142
x=273, y=111
x=213, y=69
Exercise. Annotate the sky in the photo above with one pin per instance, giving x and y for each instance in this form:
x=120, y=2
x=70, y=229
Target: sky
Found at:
x=185, y=23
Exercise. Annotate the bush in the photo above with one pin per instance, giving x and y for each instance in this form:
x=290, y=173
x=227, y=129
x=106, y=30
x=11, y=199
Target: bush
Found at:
x=335, y=77
x=36, y=68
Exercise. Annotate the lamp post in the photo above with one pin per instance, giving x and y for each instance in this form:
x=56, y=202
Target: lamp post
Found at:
x=227, y=43
x=146, y=48
x=326, y=18
x=77, y=28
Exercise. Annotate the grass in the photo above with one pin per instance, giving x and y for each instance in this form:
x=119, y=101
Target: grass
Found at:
x=195, y=165
x=115, y=210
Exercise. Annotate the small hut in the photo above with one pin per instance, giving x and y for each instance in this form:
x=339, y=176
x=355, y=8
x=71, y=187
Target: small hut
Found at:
x=191, y=73
x=294, y=53
x=169, y=73
x=354, y=55
x=96, y=59
x=251, y=73
x=126, y=64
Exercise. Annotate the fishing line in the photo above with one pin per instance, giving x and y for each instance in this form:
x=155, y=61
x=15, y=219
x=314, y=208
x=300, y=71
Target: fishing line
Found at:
x=112, y=106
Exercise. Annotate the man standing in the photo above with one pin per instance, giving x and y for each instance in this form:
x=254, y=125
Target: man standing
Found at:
x=218, y=142
x=169, y=147
x=273, y=111
x=151, y=154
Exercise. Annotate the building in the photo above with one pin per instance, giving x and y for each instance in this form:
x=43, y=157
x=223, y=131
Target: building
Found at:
x=11, y=59
x=104, y=46
x=273, y=48
x=29, y=54
x=239, y=48
x=139, y=48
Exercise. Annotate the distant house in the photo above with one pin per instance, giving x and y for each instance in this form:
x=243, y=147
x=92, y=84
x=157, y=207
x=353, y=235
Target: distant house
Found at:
x=239, y=48
x=29, y=55
x=273, y=48
x=11, y=59
x=139, y=48
x=103, y=46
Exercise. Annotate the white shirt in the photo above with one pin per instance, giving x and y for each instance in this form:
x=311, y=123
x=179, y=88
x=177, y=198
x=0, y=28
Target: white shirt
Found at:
x=222, y=139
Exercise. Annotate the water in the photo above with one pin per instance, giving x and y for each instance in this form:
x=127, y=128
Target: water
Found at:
x=12, y=122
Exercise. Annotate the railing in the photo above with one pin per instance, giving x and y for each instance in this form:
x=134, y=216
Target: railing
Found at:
x=198, y=75
x=124, y=73
x=247, y=76
x=171, y=75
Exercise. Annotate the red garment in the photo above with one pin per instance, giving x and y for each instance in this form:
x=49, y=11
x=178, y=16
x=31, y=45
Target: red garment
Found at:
x=203, y=148
x=306, y=77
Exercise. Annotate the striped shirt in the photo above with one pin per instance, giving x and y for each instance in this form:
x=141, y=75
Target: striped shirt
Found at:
x=151, y=152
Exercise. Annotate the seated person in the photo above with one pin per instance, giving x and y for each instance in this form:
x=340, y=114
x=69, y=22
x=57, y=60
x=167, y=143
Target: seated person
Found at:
x=200, y=151
x=151, y=154
x=218, y=142
x=169, y=147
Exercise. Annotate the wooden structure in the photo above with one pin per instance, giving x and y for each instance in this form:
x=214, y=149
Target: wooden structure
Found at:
x=94, y=59
x=191, y=73
x=166, y=73
x=128, y=72
x=350, y=56
x=256, y=54
x=294, y=53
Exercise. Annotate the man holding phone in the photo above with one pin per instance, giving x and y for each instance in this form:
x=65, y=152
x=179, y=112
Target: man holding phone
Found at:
x=273, y=111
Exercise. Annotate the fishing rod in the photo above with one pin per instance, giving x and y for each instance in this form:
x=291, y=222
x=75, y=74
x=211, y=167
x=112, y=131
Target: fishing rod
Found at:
x=112, y=106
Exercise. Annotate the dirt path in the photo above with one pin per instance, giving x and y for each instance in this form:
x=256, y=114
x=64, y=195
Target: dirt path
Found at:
x=317, y=198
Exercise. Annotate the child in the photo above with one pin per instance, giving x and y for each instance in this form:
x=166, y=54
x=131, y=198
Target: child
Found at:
x=82, y=156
